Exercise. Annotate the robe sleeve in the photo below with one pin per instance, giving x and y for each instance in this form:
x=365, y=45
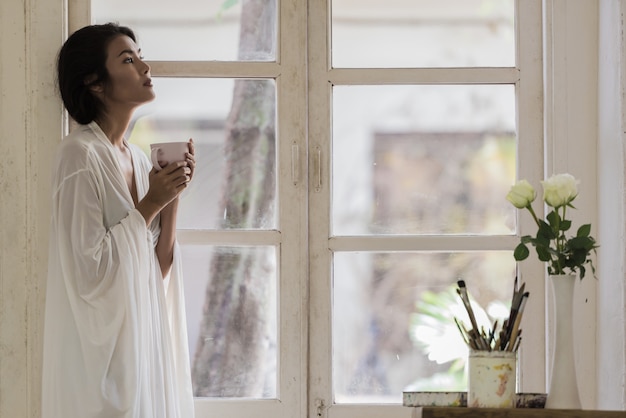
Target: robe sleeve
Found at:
x=101, y=270
x=93, y=253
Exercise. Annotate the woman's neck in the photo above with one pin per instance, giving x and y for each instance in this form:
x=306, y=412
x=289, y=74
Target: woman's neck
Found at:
x=114, y=127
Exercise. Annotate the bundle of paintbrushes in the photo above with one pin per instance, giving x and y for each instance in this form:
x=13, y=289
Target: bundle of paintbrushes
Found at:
x=509, y=336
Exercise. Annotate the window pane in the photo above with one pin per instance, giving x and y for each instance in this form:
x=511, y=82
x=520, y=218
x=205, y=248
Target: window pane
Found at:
x=423, y=33
x=230, y=296
x=197, y=30
x=232, y=124
x=393, y=326
x=423, y=159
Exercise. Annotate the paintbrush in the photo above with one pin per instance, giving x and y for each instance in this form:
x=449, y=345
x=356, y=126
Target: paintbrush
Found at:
x=508, y=337
x=462, y=291
x=515, y=305
x=518, y=319
x=462, y=331
x=474, y=334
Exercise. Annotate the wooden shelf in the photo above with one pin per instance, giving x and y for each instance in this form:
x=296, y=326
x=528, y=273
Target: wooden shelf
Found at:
x=459, y=412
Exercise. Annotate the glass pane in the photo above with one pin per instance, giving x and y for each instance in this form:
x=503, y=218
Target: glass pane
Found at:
x=230, y=296
x=423, y=33
x=423, y=159
x=393, y=319
x=188, y=30
x=232, y=124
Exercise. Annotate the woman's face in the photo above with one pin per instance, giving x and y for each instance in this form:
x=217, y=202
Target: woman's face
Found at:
x=129, y=83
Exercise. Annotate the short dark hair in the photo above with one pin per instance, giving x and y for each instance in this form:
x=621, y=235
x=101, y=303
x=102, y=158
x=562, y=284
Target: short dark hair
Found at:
x=81, y=63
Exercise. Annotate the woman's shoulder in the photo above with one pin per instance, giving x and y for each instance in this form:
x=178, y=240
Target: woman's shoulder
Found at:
x=80, y=140
x=80, y=148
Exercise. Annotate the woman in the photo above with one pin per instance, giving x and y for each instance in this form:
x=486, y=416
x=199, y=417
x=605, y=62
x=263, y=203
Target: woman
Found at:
x=115, y=342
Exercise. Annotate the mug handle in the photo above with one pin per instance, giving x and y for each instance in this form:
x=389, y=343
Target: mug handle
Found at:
x=154, y=157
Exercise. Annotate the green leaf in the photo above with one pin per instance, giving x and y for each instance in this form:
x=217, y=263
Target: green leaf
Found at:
x=541, y=241
x=565, y=225
x=543, y=253
x=554, y=218
x=578, y=258
x=582, y=243
x=521, y=252
x=545, y=231
x=584, y=230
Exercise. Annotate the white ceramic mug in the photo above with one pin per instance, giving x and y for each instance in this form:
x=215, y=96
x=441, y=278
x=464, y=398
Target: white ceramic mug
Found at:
x=167, y=152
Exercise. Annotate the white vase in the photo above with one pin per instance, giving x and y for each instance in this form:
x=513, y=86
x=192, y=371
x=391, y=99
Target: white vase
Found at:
x=563, y=392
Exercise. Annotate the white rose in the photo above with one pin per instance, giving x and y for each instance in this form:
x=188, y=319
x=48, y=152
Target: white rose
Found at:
x=522, y=194
x=559, y=190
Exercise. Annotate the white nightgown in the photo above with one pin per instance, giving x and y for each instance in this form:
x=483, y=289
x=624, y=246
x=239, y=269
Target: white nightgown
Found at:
x=115, y=340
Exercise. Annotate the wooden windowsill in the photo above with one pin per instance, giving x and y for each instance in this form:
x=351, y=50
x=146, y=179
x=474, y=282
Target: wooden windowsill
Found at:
x=458, y=412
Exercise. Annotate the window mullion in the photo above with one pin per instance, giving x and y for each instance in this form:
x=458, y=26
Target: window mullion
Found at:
x=529, y=92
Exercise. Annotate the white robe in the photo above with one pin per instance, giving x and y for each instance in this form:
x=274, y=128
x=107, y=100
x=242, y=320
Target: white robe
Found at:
x=115, y=340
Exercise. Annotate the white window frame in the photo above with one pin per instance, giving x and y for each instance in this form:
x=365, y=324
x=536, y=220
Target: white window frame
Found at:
x=528, y=79
x=571, y=34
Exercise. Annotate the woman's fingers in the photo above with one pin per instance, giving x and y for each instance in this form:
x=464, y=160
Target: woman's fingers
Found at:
x=172, y=167
x=172, y=178
x=191, y=157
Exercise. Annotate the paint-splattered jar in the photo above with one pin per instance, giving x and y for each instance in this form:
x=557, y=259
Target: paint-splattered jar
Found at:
x=491, y=379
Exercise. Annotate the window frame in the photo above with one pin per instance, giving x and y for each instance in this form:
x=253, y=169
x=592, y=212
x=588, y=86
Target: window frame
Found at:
x=527, y=76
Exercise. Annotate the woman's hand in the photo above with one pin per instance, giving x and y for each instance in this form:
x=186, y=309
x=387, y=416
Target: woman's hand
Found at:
x=165, y=186
x=172, y=183
x=168, y=183
x=191, y=159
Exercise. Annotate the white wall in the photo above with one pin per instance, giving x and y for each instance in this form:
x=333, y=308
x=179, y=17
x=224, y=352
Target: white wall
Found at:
x=30, y=122
x=612, y=230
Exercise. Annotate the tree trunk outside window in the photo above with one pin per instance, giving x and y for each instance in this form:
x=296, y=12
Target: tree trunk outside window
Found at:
x=235, y=340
